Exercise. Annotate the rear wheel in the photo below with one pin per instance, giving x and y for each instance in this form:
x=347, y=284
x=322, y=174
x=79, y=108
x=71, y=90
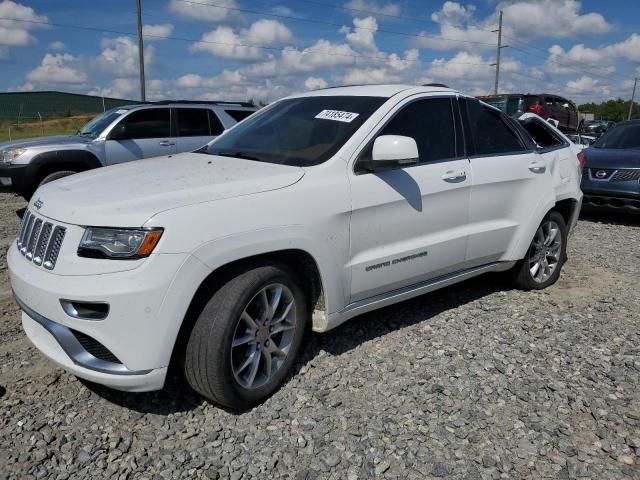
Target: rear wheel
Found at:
x=247, y=337
x=546, y=255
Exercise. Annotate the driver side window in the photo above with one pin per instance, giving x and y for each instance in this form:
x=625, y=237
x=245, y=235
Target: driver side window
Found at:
x=147, y=123
x=430, y=123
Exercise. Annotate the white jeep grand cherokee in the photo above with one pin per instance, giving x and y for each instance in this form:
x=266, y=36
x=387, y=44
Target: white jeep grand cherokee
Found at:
x=318, y=208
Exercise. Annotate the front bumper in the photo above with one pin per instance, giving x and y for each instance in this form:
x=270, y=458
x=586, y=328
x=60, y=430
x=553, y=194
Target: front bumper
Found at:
x=611, y=194
x=146, y=308
x=13, y=177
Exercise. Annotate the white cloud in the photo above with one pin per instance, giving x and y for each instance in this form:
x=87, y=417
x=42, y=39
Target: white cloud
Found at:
x=282, y=10
x=226, y=43
x=16, y=33
x=586, y=85
x=206, y=13
x=322, y=54
x=119, y=57
x=523, y=20
x=315, y=83
x=119, y=88
x=155, y=32
x=366, y=76
x=57, y=68
x=410, y=59
x=362, y=36
x=58, y=46
x=365, y=6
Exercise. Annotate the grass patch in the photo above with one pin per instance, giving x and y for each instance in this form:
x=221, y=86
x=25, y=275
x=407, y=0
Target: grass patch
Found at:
x=58, y=126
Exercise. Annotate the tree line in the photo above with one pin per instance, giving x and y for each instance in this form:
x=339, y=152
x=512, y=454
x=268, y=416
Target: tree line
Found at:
x=615, y=110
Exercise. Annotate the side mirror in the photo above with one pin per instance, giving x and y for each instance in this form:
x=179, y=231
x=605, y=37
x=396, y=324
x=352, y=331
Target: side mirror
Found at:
x=553, y=122
x=119, y=132
x=394, y=151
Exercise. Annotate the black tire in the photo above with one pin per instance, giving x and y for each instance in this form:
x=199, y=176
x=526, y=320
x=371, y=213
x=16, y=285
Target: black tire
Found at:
x=208, y=359
x=55, y=176
x=522, y=275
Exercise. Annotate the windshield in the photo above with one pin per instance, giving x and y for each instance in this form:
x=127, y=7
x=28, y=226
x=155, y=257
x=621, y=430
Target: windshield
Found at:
x=299, y=131
x=509, y=104
x=620, y=137
x=95, y=127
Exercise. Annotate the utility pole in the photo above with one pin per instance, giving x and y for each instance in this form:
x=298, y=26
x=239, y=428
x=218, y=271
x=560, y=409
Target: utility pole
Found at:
x=633, y=96
x=141, y=51
x=499, y=48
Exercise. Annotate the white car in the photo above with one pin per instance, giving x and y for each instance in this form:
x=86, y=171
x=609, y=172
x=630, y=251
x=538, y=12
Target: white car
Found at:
x=316, y=209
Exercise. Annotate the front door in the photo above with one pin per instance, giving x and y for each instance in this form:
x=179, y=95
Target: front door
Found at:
x=409, y=224
x=141, y=134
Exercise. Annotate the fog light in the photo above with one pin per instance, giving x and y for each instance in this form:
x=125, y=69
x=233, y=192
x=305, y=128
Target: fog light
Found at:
x=6, y=181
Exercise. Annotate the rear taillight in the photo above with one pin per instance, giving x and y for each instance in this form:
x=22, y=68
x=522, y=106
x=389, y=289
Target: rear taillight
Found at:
x=581, y=160
x=537, y=109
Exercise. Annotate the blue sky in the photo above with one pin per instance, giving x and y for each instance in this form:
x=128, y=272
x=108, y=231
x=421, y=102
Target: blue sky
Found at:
x=265, y=49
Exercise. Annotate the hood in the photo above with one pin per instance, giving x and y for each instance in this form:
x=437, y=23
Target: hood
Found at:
x=43, y=141
x=129, y=194
x=611, y=158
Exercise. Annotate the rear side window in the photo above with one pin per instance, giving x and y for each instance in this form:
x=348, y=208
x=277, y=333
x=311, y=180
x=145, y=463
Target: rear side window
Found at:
x=238, y=115
x=541, y=134
x=430, y=123
x=490, y=132
x=148, y=123
x=193, y=122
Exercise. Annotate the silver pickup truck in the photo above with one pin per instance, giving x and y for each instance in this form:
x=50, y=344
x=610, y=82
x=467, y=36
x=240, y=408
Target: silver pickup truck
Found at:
x=118, y=135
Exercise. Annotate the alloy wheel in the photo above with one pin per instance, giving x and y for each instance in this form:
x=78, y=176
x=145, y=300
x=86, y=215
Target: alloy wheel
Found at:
x=545, y=251
x=263, y=336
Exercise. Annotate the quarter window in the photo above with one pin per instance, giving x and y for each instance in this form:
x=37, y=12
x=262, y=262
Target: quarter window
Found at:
x=148, y=123
x=490, y=132
x=238, y=115
x=430, y=123
x=216, y=125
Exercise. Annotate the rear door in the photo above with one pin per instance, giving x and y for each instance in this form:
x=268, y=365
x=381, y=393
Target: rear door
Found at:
x=145, y=133
x=509, y=180
x=408, y=224
x=195, y=127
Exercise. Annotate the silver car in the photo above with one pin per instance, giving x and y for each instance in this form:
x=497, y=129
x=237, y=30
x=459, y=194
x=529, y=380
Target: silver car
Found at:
x=118, y=135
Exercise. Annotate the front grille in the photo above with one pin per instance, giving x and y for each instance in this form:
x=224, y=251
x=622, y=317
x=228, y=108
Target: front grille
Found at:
x=39, y=241
x=95, y=348
x=624, y=175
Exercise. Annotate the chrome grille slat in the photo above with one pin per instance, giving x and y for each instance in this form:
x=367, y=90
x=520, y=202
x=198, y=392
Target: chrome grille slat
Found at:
x=40, y=241
x=53, y=249
x=33, y=239
x=27, y=235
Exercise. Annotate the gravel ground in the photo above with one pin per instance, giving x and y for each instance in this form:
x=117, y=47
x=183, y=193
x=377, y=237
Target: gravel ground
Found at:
x=475, y=381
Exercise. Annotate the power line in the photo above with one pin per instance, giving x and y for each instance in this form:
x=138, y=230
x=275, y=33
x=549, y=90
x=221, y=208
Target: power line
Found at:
x=167, y=37
x=333, y=24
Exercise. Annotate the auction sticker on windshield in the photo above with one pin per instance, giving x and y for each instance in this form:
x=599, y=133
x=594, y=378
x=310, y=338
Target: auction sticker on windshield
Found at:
x=337, y=115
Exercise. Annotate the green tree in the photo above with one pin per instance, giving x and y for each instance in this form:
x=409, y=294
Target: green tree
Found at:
x=615, y=110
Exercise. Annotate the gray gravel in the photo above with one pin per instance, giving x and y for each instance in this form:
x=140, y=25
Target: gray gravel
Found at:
x=476, y=381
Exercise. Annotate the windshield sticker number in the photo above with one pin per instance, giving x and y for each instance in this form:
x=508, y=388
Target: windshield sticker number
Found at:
x=337, y=115
x=120, y=112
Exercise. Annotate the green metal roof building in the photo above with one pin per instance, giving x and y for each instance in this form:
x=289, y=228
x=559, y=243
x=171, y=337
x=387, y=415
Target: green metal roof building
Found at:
x=30, y=106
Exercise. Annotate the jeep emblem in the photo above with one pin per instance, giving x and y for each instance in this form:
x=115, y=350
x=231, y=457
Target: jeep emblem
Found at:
x=601, y=174
x=38, y=204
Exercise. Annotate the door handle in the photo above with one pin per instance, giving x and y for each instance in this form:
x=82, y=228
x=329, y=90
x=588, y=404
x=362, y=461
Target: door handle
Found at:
x=537, y=167
x=454, y=175
x=166, y=143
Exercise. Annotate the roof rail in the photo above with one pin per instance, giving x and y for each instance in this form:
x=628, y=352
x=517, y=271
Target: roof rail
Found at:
x=435, y=85
x=203, y=102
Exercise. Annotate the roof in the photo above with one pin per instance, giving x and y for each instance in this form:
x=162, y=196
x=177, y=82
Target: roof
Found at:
x=386, y=91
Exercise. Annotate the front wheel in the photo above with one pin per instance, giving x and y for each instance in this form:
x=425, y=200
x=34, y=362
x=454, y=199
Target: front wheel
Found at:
x=55, y=176
x=247, y=337
x=546, y=255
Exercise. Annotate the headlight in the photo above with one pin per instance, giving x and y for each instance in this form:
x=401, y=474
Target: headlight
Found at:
x=121, y=243
x=9, y=156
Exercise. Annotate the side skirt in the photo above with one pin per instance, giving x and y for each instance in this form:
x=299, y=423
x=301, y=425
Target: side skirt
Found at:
x=411, y=291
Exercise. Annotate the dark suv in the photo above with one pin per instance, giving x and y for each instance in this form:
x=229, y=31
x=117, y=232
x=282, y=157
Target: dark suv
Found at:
x=546, y=105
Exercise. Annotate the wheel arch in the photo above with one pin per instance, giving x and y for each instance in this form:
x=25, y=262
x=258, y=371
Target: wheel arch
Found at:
x=46, y=163
x=301, y=262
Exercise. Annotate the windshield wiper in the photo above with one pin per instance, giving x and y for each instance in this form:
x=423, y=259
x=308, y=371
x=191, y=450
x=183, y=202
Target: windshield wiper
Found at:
x=238, y=155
